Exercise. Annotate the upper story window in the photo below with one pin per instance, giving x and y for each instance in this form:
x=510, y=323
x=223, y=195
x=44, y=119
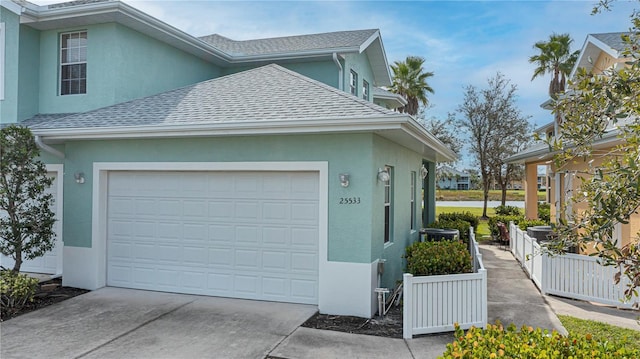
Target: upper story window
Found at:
x=353, y=83
x=73, y=63
x=365, y=90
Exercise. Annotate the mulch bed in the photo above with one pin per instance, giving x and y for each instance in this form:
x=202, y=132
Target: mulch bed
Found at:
x=49, y=292
x=390, y=326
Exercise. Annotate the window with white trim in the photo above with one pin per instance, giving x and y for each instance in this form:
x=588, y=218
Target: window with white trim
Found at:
x=388, y=205
x=2, y=77
x=365, y=90
x=73, y=63
x=353, y=82
x=412, y=199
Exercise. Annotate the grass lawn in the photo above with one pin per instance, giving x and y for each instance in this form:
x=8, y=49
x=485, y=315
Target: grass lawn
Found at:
x=476, y=195
x=483, y=228
x=601, y=331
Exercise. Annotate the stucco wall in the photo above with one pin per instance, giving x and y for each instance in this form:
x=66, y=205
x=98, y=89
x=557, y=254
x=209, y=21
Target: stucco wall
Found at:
x=29, y=72
x=349, y=225
x=629, y=231
x=9, y=106
x=360, y=64
x=323, y=71
x=403, y=161
x=122, y=64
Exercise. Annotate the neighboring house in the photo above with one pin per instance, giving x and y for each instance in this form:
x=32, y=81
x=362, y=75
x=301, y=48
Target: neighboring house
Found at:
x=450, y=178
x=600, y=52
x=259, y=169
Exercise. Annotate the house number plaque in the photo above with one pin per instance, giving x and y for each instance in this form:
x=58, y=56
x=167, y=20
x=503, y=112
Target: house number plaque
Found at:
x=349, y=200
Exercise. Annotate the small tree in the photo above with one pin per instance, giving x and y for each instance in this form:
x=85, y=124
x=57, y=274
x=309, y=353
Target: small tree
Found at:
x=497, y=129
x=26, y=219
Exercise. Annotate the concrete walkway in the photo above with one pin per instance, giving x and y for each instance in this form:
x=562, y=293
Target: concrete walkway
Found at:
x=116, y=323
x=512, y=298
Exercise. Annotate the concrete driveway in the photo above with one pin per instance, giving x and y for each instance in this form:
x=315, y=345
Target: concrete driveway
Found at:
x=125, y=323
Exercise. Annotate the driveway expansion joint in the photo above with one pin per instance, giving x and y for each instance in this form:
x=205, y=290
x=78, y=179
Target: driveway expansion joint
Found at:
x=133, y=330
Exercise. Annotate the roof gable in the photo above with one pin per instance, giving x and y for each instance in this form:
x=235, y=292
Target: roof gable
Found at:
x=595, y=44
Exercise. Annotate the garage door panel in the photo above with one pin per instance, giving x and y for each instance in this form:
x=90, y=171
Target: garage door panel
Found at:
x=248, y=235
x=238, y=234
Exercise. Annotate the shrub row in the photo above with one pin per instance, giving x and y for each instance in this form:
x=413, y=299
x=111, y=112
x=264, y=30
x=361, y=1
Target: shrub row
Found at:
x=436, y=258
x=460, y=225
x=496, y=342
x=16, y=289
x=468, y=217
x=508, y=211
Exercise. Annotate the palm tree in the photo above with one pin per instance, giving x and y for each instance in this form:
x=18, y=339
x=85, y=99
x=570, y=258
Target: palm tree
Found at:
x=556, y=58
x=410, y=82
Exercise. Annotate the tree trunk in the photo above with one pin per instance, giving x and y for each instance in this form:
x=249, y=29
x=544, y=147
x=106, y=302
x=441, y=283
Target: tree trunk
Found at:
x=18, y=263
x=503, y=199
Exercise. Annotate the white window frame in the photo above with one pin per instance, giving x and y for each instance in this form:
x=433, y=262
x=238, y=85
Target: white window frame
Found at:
x=388, y=207
x=2, y=69
x=412, y=199
x=365, y=90
x=353, y=82
x=63, y=63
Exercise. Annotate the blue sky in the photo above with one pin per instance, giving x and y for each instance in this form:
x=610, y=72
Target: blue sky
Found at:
x=463, y=42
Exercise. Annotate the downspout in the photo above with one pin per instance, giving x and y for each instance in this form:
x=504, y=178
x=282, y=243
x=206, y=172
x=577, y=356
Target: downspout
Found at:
x=48, y=148
x=340, y=79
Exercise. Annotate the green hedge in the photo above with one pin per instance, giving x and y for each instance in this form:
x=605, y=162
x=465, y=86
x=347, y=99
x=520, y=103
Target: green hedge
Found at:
x=508, y=211
x=544, y=211
x=496, y=342
x=436, y=258
x=16, y=289
x=460, y=225
x=469, y=217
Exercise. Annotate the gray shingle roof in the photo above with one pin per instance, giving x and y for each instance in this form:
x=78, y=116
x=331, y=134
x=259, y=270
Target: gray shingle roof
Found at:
x=612, y=39
x=329, y=40
x=268, y=93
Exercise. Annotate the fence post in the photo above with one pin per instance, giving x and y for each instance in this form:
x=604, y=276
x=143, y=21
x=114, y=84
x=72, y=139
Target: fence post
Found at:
x=485, y=304
x=407, y=306
x=543, y=273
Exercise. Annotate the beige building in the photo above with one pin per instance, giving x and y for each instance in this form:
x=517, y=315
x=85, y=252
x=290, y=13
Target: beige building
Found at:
x=600, y=52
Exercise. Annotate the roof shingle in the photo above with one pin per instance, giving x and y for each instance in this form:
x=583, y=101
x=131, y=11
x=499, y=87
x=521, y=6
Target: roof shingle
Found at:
x=329, y=40
x=613, y=39
x=268, y=93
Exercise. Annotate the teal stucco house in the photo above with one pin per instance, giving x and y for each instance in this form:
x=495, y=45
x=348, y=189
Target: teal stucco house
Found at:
x=271, y=169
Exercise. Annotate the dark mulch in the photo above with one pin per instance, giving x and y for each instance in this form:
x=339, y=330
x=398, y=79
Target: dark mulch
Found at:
x=389, y=326
x=49, y=292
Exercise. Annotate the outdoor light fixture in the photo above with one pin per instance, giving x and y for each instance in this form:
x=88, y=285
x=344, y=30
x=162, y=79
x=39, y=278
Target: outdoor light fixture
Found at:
x=383, y=175
x=344, y=179
x=424, y=172
x=79, y=176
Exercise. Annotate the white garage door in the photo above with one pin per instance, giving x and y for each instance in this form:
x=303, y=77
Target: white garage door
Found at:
x=50, y=262
x=247, y=235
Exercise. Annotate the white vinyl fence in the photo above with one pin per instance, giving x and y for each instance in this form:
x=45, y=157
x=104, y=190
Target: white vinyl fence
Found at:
x=433, y=304
x=569, y=275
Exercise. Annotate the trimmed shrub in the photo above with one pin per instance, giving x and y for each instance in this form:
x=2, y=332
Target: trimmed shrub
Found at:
x=460, y=225
x=508, y=211
x=496, y=342
x=436, y=258
x=523, y=224
x=544, y=211
x=473, y=220
x=16, y=289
